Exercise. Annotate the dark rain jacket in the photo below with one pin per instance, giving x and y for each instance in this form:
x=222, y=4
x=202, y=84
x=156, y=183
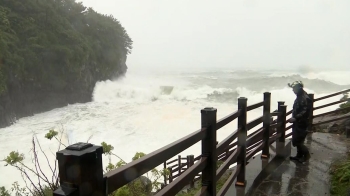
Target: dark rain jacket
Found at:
x=301, y=111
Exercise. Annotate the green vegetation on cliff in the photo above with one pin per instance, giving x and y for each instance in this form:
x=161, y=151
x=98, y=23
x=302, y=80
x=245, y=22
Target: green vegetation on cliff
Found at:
x=58, y=44
x=340, y=177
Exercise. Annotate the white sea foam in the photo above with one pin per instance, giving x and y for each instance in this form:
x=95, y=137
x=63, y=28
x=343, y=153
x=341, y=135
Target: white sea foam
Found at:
x=133, y=114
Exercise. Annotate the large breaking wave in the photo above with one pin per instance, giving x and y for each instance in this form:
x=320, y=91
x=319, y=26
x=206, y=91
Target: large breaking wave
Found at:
x=216, y=87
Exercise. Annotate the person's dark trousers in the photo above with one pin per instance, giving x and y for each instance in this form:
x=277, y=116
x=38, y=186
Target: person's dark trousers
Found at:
x=298, y=137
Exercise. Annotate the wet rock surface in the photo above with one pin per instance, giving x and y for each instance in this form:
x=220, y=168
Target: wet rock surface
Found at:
x=312, y=178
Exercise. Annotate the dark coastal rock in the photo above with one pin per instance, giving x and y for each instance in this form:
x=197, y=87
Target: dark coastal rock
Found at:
x=24, y=100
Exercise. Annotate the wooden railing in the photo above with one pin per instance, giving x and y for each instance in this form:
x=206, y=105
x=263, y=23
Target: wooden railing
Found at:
x=80, y=165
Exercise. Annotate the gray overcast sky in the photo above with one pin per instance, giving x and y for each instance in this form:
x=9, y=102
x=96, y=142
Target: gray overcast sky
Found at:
x=234, y=33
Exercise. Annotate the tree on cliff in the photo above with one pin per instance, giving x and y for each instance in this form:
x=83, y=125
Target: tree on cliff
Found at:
x=58, y=44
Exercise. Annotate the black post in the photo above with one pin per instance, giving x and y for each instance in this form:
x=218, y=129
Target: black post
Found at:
x=282, y=149
x=311, y=115
x=208, y=118
x=241, y=143
x=170, y=175
x=266, y=125
x=280, y=103
x=165, y=177
x=281, y=115
x=80, y=170
x=283, y=120
x=347, y=131
x=190, y=162
x=179, y=163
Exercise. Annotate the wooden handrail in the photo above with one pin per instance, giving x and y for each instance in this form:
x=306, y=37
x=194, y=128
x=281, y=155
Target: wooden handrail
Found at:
x=332, y=95
x=254, y=132
x=332, y=112
x=227, y=119
x=120, y=176
x=275, y=113
x=255, y=106
x=231, y=146
x=198, y=158
x=289, y=134
x=172, y=161
x=330, y=104
x=255, y=137
x=222, y=145
x=176, y=167
x=254, y=122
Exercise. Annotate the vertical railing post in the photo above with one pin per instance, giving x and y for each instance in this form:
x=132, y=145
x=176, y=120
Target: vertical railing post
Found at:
x=281, y=115
x=241, y=141
x=208, y=121
x=164, y=175
x=170, y=174
x=283, y=122
x=80, y=170
x=280, y=103
x=266, y=125
x=190, y=162
x=179, y=164
x=282, y=150
x=311, y=114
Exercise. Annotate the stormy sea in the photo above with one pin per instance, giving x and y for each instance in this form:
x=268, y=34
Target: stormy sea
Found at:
x=142, y=111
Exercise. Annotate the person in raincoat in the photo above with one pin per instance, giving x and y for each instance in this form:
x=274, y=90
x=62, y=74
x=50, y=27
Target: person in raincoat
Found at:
x=300, y=120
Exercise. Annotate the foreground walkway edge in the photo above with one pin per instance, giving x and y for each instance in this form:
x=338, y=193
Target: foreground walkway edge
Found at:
x=312, y=178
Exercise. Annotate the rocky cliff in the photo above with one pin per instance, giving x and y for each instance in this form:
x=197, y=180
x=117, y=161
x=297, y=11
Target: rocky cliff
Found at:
x=53, y=53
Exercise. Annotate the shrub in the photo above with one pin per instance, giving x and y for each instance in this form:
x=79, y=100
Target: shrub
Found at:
x=48, y=182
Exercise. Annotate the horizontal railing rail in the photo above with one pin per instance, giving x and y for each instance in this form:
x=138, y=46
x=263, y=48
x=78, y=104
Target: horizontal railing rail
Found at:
x=255, y=106
x=224, y=121
x=332, y=112
x=332, y=95
x=121, y=176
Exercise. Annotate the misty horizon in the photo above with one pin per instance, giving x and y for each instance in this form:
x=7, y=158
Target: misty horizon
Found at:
x=271, y=34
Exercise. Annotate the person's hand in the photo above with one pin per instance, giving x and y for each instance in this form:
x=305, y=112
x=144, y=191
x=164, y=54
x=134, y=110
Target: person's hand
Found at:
x=291, y=120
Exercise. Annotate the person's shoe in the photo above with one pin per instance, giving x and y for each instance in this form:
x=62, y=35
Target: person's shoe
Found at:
x=297, y=157
x=305, y=158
